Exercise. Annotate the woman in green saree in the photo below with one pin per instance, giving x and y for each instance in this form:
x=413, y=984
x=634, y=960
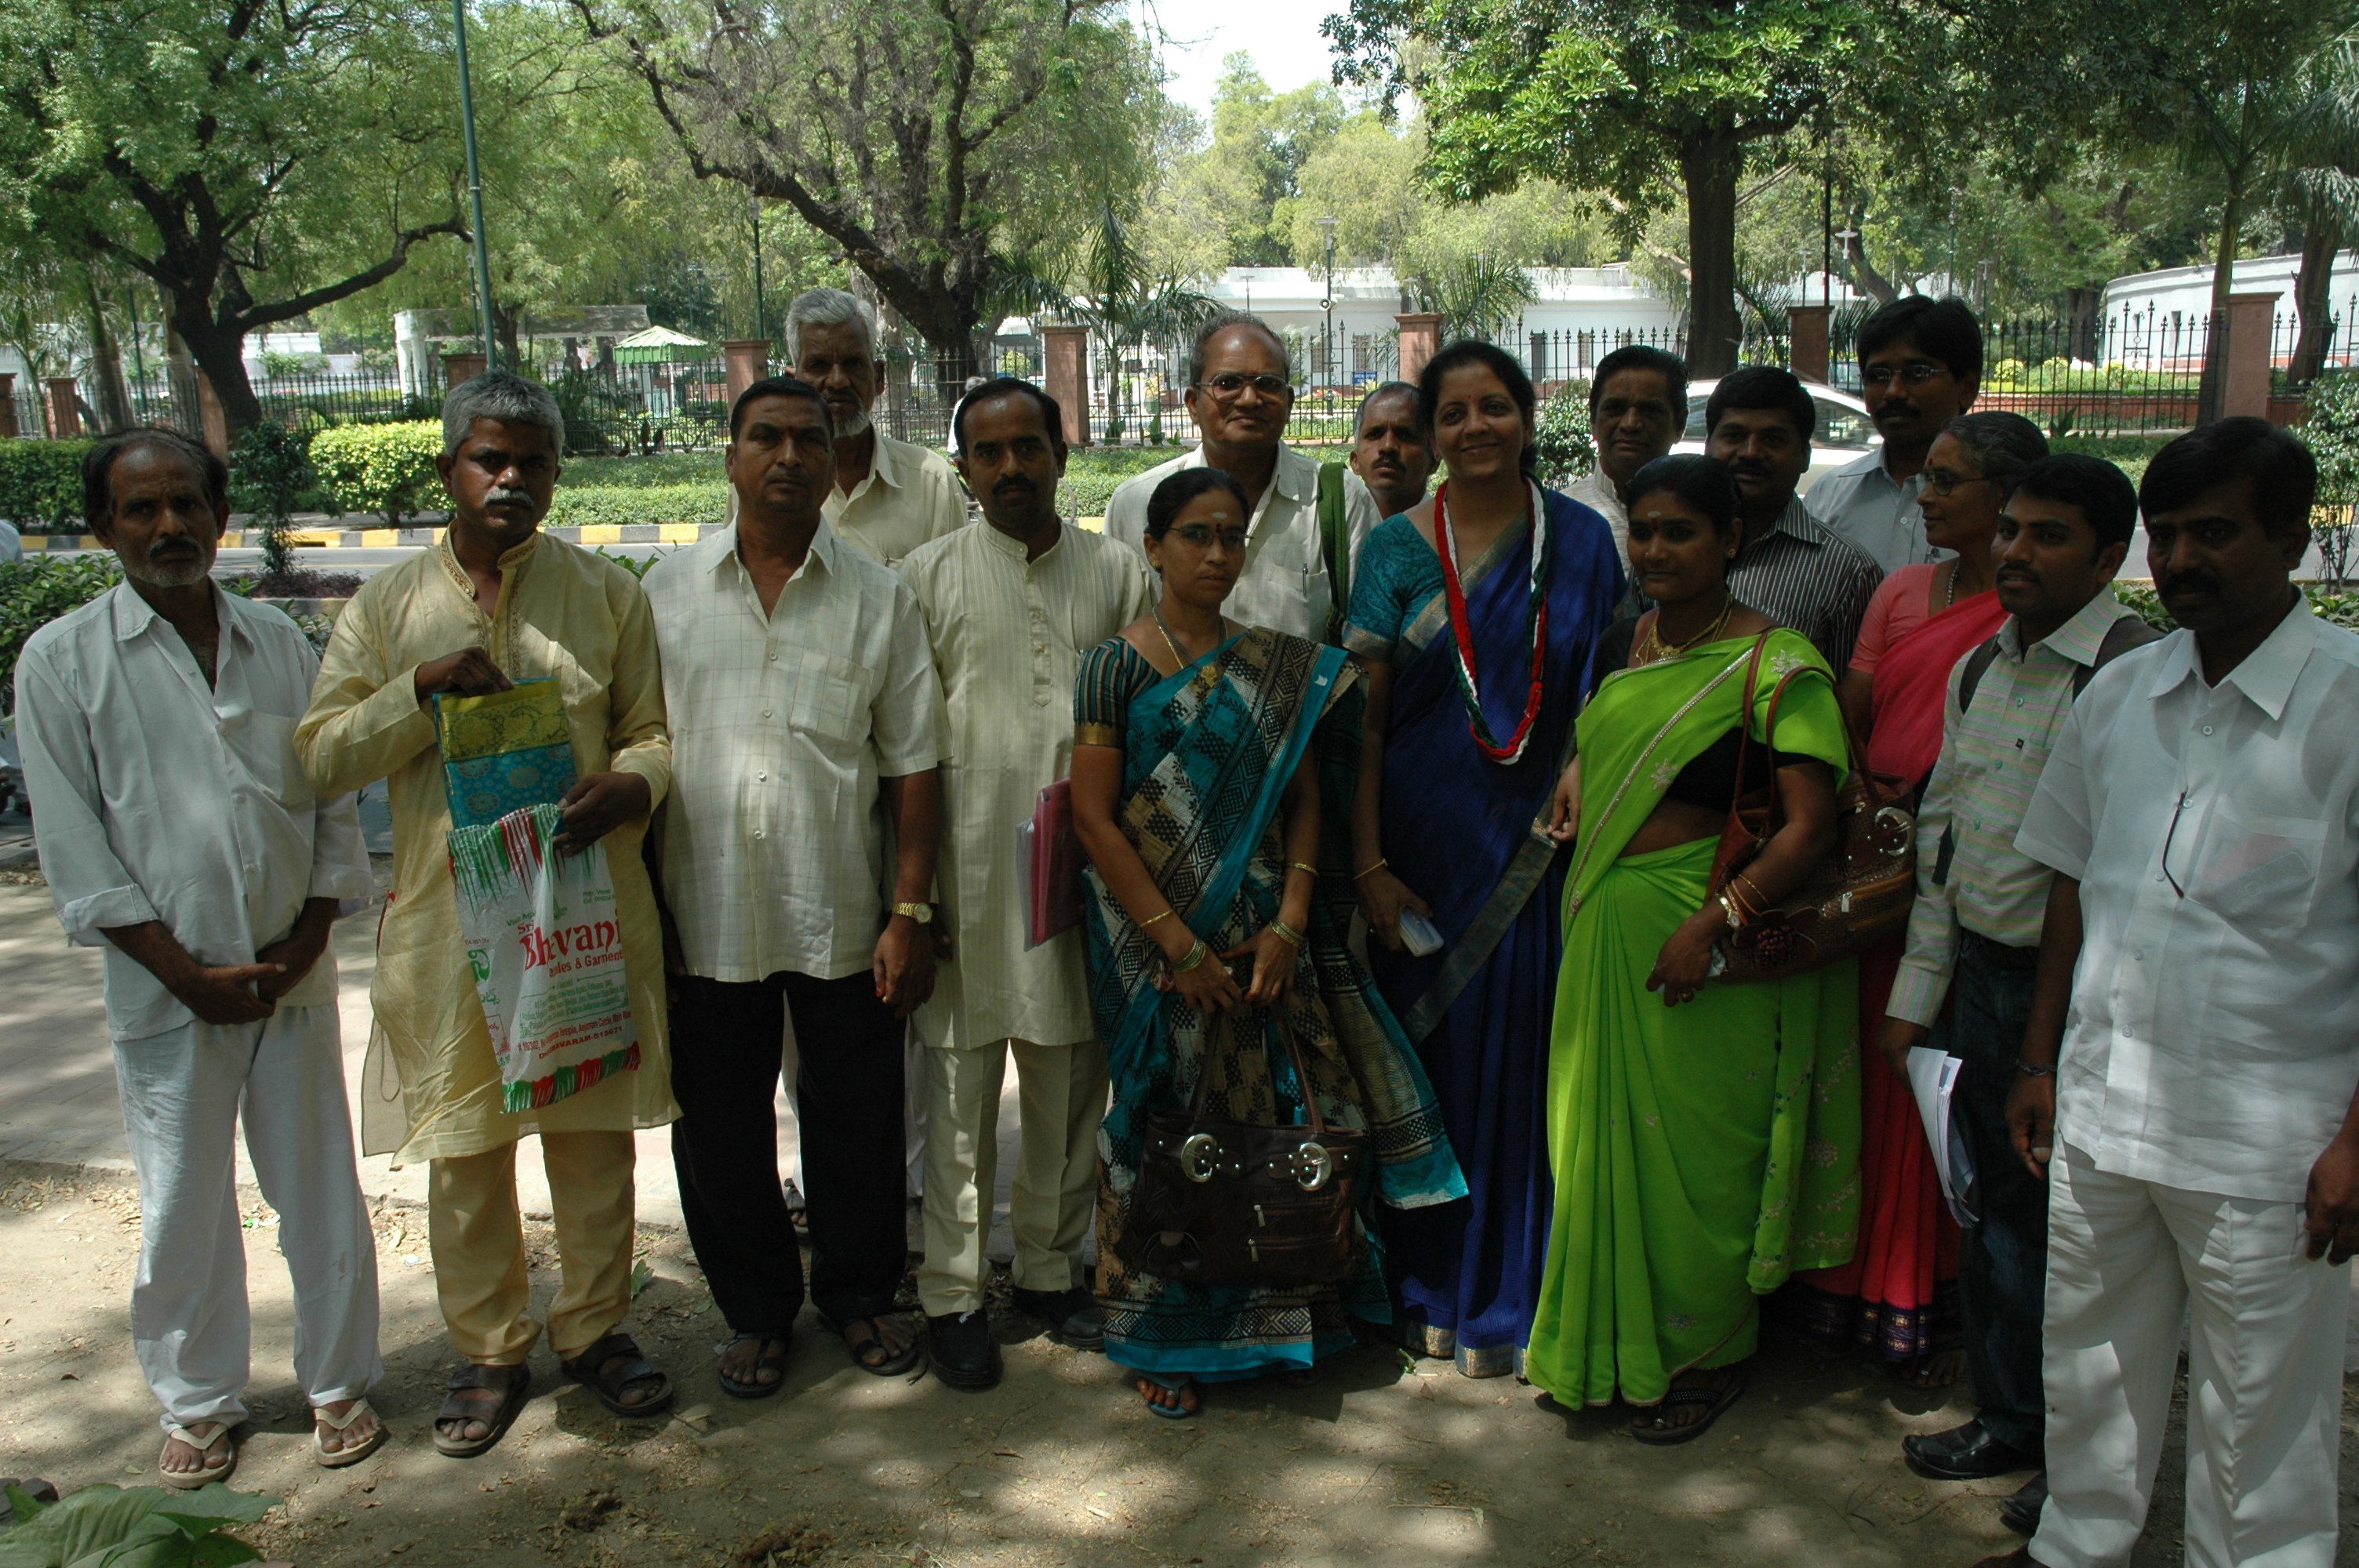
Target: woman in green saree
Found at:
x=1704, y=1139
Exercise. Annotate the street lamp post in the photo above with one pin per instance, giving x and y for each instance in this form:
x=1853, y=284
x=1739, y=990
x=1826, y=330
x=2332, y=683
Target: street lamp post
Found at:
x=1327, y=364
x=474, y=190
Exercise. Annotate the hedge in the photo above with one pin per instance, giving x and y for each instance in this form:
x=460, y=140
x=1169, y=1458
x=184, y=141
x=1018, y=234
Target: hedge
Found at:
x=603, y=506
x=385, y=469
x=2337, y=609
x=41, y=482
x=36, y=591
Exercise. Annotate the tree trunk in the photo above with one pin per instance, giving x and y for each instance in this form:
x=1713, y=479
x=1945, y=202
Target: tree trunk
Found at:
x=2080, y=306
x=505, y=322
x=218, y=352
x=180, y=377
x=2213, y=388
x=2313, y=300
x=1710, y=164
x=110, y=398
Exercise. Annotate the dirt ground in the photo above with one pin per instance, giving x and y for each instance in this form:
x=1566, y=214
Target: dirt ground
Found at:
x=1380, y=1461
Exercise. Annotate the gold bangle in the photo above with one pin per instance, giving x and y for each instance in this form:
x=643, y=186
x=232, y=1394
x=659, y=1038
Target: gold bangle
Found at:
x=1299, y=866
x=1151, y=919
x=1286, y=934
x=1372, y=870
x=1760, y=899
x=1196, y=956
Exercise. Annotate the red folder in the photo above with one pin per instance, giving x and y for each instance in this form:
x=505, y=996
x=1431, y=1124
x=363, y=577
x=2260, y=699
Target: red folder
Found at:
x=1053, y=858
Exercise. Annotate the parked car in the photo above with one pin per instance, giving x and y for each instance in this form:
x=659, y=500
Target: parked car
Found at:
x=1844, y=429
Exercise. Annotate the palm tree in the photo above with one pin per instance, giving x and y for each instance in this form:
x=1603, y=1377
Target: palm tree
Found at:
x=1476, y=296
x=2323, y=194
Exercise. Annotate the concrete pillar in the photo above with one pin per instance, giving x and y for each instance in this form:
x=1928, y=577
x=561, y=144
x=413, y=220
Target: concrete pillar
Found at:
x=211, y=418
x=457, y=368
x=2244, y=388
x=1069, y=378
x=8, y=405
x=1808, y=323
x=1420, y=340
x=65, y=418
x=749, y=362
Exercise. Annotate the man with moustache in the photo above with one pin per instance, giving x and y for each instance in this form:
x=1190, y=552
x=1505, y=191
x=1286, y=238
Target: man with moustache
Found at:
x=1241, y=392
x=1791, y=567
x=179, y=833
x=1389, y=453
x=2186, y=1086
x=1637, y=406
x=1010, y=607
x=1920, y=363
x=796, y=858
x=1973, y=937
x=496, y=601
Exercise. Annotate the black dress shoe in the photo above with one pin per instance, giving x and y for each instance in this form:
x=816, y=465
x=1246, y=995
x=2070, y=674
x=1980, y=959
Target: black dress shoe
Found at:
x=2020, y=1513
x=963, y=1351
x=1967, y=1453
x=1073, y=1315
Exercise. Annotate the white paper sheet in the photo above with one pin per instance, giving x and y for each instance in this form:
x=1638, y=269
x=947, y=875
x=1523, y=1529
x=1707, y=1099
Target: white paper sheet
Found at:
x=1933, y=1075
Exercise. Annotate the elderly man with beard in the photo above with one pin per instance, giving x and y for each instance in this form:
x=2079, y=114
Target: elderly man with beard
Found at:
x=1637, y=406
x=1920, y=363
x=1010, y=607
x=1307, y=523
x=1389, y=452
x=179, y=833
x=494, y=602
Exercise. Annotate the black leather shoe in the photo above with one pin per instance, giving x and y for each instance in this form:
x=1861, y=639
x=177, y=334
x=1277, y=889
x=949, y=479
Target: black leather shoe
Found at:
x=1073, y=1315
x=962, y=1349
x=2020, y=1513
x=1965, y=1452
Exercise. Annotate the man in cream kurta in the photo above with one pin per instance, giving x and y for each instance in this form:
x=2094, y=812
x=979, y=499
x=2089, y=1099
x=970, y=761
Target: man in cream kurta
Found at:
x=1010, y=607
x=561, y=612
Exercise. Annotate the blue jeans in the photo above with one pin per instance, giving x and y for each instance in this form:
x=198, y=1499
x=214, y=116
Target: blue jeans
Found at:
x=2003, y=1257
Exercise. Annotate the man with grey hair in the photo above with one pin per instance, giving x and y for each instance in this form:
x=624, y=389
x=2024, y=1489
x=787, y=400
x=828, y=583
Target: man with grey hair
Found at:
x=1308, y=519
x=496, y=601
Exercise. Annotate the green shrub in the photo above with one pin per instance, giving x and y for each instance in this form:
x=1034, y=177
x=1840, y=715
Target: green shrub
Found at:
x=589, y=506
x=40, y=483
x=272, y=470
x=1566, y=452
x=1093, y=474
x=639, y=473
x=384, y=468
x=2328, y=605
x=36, y=591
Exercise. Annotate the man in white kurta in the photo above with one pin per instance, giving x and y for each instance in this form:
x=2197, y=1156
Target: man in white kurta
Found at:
x=1010, y=607
x=178, y=832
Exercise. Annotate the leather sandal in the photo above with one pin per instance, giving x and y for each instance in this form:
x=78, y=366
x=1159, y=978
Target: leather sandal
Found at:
x=351, y=1454
x=514, y=1385
x=200, y=1437
x=611, y=1365
x=871, y=1354
x=766, y=1359
x=1713, y=1400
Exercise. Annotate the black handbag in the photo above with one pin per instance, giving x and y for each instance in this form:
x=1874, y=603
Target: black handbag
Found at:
x=1229, y=1203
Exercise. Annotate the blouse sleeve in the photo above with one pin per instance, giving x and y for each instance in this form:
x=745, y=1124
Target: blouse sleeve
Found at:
x=1886, y=609
x=1810, y=719
x=1379, y=604
x=1110, y=679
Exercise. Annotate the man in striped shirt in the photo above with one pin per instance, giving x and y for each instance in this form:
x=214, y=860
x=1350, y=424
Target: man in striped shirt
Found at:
x=1974, y=935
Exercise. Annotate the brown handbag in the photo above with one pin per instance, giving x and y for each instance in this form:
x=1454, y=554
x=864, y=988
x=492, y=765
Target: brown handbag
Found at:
x=1857, y=898
x=1230, y=1202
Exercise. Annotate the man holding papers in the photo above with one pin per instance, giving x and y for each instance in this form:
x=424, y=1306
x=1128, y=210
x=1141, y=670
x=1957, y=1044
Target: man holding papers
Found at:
x=1974, y=937
x=1009, y=607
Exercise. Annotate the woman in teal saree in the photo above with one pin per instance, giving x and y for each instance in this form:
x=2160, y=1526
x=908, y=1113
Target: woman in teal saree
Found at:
x=1704, y=1137
x=1212, y=767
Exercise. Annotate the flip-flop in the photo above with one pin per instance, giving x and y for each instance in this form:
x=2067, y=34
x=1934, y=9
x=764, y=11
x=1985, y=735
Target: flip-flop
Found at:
x=514, y=1386
x=349, y=1454
x=739, y=1389
x=607, y=1383
x=890, y=1365
x=1177, y=1385
x=189, y=1480
x=1718, y=1400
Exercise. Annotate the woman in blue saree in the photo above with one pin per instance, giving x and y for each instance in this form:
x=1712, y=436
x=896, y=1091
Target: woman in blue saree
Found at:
x=1472, y=686
x=1210, y=768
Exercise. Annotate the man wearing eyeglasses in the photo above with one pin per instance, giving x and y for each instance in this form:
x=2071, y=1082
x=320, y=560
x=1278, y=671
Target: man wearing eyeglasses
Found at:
x=2186, y=1084
x=1308, y=518
x=1920, y=363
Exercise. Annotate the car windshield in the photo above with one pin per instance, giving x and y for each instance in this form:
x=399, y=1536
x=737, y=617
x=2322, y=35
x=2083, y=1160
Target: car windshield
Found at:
x=1840, y=425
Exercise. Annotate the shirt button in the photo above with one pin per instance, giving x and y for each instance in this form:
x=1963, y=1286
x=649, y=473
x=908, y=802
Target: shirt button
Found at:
x=2018, y=702
x=773, y=658
x=2207, y=730
x=758, y=833
x=766, y=713
x=763, y=777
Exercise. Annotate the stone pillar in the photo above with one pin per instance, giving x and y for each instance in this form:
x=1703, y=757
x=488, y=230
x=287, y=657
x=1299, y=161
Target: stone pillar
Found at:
x=1069, y=378
x=749, y=362
x=1808, y=323
x=457, y=368
x=65, y=418
x=1420, y=340
x=2245, y=386
x=209, y=416
x=8, y=405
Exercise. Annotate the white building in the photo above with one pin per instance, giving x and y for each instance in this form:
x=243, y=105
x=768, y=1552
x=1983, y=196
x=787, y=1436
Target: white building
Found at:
x=2158, y=305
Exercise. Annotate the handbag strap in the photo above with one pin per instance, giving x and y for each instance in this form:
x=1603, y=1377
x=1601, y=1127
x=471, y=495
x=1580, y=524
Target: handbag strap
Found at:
x=1318, y=1126
x=1853, y=751
x=1743, y=737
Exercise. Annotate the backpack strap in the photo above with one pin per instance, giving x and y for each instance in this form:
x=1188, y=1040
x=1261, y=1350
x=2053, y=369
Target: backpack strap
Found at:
x=1335, y=545
x=1977, y=665
x=2130, y=631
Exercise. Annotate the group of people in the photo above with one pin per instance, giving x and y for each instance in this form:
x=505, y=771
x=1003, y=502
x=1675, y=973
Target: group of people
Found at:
x=1407, y=815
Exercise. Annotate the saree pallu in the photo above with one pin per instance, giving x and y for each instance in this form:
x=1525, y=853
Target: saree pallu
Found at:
x=1701, y=1153
x=1898, y=1295
x=1206, y=762
x=1458, y=830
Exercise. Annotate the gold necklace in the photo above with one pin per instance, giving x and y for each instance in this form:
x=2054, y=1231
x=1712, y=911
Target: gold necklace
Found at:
x=1658, y=650
x=1169, y=639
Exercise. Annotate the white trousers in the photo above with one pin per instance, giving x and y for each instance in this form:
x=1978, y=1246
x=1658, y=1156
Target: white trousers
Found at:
x=2126, y=1261
x=184, y=1093
x=1061, y=1092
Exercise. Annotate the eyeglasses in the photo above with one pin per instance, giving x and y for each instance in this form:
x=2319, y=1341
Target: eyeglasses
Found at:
x=1941, y=481
x=1200, y=537
x=1916, y=373
x=1229, y=383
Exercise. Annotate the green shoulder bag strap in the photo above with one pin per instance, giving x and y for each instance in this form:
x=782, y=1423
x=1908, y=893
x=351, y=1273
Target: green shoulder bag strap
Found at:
x=1335, y=545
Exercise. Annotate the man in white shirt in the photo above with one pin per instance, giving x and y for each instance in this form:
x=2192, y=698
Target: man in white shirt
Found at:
x=1241, y=394
x=1921, y=364
x=1011, y=606
x=179, y=832
x=803, y=709
x=2188, y=1089
x=1638, y=409
x=12, y=544
x=1390, y=453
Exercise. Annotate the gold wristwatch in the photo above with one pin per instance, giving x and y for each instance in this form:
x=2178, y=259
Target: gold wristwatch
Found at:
x=923, y=914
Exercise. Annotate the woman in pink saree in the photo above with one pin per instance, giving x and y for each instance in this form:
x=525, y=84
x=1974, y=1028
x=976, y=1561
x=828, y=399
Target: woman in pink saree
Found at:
x=1898, y=1298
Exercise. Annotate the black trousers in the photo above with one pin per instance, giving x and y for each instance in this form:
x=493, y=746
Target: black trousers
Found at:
x=725, y=1041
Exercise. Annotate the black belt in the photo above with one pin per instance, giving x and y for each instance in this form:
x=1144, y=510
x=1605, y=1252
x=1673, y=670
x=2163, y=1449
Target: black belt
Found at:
x=1998, y=954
